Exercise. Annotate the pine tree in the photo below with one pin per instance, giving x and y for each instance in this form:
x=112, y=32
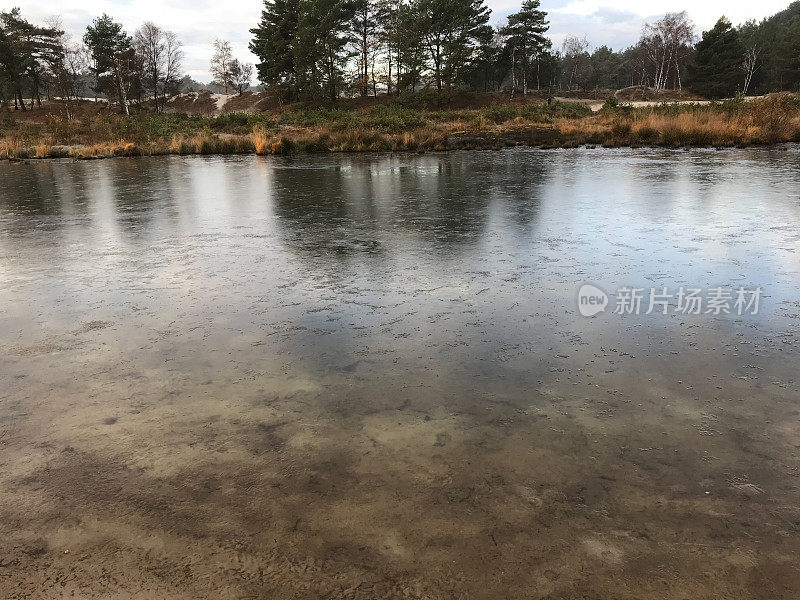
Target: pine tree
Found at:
x=273, y=43
x=452, y=31
x=12, y=54
x=717, y=68
x=369, y=24
x=772, y=51
x=113, y=59
x=25, y=52
x=409, y=43
x=787, y=50
x=320, y=49
x=525, y=34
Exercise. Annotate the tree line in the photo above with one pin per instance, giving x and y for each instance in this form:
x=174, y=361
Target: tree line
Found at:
x=37, y=61
x=311, y=49
x=145, y=66
x=319, y=48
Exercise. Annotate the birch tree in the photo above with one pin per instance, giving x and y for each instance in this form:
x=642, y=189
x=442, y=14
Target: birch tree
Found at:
x=667, y=43
x=221, y=64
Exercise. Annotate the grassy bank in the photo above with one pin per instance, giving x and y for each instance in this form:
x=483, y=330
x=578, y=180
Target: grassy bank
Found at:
x=392, y=126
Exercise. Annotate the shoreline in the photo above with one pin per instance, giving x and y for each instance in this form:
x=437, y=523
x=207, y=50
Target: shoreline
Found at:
x=473, y=141
x=771, y=120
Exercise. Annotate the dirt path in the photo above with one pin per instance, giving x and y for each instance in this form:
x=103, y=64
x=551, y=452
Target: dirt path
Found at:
x=596, y=106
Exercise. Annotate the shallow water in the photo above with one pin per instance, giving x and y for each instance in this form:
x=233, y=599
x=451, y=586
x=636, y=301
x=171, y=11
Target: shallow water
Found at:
x=367, y=376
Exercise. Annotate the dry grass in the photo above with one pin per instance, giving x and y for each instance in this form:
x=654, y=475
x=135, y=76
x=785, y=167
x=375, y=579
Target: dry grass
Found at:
x=260, y=140
x=774, y=119
x=319, y=139
x=11, y=149
x=42, y=150
x=770, y=120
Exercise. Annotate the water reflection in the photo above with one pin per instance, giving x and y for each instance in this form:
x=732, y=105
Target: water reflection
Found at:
x=313, y=373
x=462, y=254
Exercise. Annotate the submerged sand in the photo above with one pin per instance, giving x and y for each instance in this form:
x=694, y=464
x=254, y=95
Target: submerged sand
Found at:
x=386, y=392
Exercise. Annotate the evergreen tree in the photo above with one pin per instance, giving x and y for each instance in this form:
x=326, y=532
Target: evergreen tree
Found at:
x=490, y=65
x=605, y=68
x=12, y=61
x=26, y=50
x=772, y=52
x=717, y=68
x=274, y=44
x=320, y=50
x=368, y=26
x=113, y=59
x=452, y=32
x=388, y=35
x=525, y=34
x=411, y=54
x=787, y=56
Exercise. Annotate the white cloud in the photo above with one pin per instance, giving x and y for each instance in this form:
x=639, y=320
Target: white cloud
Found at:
x=704, y=13
x=197, y=22
x=594, y=15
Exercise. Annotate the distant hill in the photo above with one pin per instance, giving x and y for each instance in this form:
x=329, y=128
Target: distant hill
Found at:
x=187, y=84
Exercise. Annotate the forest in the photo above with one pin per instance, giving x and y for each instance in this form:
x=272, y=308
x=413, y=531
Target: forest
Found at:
x=316, y=47
x=392, y=75
x=330, y=49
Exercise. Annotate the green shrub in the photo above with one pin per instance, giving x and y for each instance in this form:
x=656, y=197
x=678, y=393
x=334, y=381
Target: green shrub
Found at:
x=392, y=118
x=547, y=113
x=731, y=106
x=499, y=113
x=431, y=100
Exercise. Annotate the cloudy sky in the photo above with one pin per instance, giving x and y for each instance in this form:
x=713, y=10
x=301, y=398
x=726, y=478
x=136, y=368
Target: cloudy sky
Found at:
x=616, y=23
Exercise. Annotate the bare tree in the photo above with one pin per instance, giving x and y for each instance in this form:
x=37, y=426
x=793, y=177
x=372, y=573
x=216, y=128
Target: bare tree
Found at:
x=667, y=43
x=173, y=53
x=159, y=52
x=241, y=75
x=221, y=63
x=126, y=70
x=151, y=50
x=753, y=43
x=67, y=66
x=575, y=52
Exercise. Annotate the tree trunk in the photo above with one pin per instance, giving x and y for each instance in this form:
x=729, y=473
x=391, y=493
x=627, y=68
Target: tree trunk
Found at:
x=365, y=59
x=524, y=71
x=438, y=63
x=123, y=96
x=389, y=74
x=513, y=70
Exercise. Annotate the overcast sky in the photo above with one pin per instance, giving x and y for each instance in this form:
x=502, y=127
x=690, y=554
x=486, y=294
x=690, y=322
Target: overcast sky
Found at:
x=616, y=23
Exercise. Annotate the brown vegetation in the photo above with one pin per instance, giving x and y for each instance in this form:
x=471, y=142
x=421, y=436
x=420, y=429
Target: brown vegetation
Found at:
x=770, y=120
x=773, y=119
